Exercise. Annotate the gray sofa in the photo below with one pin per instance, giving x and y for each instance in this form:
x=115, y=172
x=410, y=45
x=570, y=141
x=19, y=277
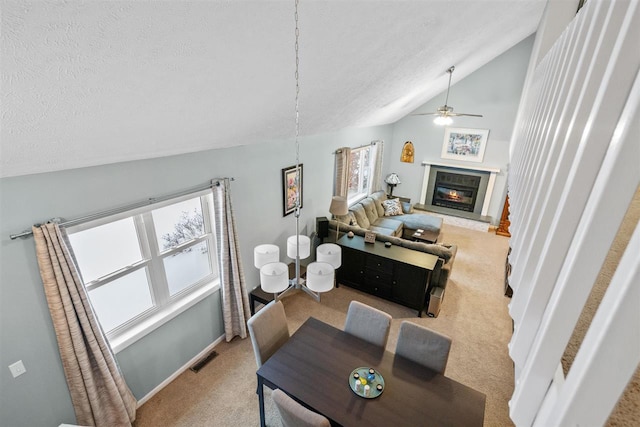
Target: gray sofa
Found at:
x=395, y=232
x=369, y=214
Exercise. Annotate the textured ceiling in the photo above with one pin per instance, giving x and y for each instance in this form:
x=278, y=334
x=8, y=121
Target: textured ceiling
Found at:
x=94, y=82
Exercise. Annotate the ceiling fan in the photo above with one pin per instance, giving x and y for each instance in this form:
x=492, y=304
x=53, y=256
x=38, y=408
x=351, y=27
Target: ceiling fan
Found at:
x=445, y=113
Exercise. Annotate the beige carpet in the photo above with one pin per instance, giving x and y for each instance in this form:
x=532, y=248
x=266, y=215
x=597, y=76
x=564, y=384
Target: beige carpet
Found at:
x=474, y=314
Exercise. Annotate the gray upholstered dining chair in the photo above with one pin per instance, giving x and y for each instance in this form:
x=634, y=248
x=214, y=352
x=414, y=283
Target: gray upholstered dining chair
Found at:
x=368, y=323
x=423, y=346
x=268, y=330
x=294, y=414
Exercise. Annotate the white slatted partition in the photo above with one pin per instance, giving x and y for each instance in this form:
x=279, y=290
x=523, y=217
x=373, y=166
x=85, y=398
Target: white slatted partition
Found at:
x=610, y=352
x=575, y=167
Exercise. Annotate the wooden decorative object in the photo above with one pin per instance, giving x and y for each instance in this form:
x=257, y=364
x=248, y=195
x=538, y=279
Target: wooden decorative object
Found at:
x=407, y=152
x=503, y=228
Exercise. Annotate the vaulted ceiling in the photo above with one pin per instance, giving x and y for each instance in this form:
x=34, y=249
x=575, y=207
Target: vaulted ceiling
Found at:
x=93, y=82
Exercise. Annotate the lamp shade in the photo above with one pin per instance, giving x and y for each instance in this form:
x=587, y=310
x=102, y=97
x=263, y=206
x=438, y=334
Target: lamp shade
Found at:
x=339, y=206
x=305, y=246
x=320, y=276
x=274, y=277
x=329, y=253
x=264, y=254
x=392, y=179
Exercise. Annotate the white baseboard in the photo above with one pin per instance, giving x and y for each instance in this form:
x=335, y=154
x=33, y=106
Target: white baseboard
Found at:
x=183, y=368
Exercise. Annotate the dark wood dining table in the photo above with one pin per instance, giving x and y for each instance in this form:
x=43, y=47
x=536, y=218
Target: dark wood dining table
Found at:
x=314, y=367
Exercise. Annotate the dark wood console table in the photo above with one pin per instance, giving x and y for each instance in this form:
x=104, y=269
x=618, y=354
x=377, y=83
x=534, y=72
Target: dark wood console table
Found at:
x=394, y=273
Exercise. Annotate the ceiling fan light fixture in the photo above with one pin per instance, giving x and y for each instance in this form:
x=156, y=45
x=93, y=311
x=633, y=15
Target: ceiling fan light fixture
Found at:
x=443, y=114
x=443, y=120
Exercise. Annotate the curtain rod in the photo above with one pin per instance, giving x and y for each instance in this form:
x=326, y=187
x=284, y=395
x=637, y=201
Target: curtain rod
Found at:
x=149, y=201
x=339, y=150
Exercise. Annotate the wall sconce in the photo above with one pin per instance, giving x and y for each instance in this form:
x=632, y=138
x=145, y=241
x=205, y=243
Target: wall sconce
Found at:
x=407, y=152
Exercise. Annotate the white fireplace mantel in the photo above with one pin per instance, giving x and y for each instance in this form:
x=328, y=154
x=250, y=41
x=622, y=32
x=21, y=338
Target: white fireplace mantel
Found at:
x=492, y=180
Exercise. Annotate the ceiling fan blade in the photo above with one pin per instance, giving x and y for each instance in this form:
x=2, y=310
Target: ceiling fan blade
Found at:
x=445, y=110
x=465, y=114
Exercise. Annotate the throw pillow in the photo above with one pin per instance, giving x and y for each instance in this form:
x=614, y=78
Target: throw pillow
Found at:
x=352, y=219
x=407, y=207
x=348, y=219
x=392, y=207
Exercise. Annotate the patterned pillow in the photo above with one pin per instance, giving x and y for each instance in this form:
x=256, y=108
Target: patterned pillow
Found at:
x=392, y=207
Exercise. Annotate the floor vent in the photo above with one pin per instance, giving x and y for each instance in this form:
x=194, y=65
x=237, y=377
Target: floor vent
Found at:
x=202, y=362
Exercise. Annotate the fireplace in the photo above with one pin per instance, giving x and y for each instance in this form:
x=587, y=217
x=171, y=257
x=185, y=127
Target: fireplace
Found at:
x=455, y=191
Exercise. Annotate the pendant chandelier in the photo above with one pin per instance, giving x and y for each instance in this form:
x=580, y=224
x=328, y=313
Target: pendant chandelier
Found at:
x=275, y=275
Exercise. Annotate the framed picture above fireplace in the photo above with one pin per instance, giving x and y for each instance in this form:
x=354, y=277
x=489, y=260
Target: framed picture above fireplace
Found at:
x=464, y=144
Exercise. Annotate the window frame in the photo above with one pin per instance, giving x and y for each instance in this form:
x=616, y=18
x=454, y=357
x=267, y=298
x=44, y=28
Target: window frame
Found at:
x=362, y=192
x=164, y=306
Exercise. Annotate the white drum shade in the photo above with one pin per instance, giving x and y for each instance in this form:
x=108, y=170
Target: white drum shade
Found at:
x=305, y=246
x=331, y=253
x=320, y=276
x=265, y=254
x=274, y=277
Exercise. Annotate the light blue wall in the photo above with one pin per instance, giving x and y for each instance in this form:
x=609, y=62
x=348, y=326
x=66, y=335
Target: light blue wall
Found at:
x=40, y=397
x=494, y=91
x=156, y=356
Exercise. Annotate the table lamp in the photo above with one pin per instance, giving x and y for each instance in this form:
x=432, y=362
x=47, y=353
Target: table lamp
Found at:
x=338, y=206
x=392, y=180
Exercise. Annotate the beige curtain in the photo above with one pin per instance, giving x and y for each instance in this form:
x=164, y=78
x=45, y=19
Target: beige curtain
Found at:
x=377, y=168
x=98, y=391
x=341, y=180
x=235, y=301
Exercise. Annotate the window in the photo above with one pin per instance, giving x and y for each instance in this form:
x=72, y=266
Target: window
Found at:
x=360, y=173
x=143, y=267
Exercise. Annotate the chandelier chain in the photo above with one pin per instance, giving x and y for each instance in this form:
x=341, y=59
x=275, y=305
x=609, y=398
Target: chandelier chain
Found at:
x=297, y=125
x=297, y=73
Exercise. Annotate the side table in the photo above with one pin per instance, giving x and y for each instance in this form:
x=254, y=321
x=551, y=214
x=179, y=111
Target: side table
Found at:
x=425, y=236
x=258, y=295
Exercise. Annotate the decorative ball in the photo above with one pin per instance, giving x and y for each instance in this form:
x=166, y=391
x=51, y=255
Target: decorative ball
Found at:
x=350, y=234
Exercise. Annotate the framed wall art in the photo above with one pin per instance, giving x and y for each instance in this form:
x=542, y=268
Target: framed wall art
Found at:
x=291, y=189
x=464, y=144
